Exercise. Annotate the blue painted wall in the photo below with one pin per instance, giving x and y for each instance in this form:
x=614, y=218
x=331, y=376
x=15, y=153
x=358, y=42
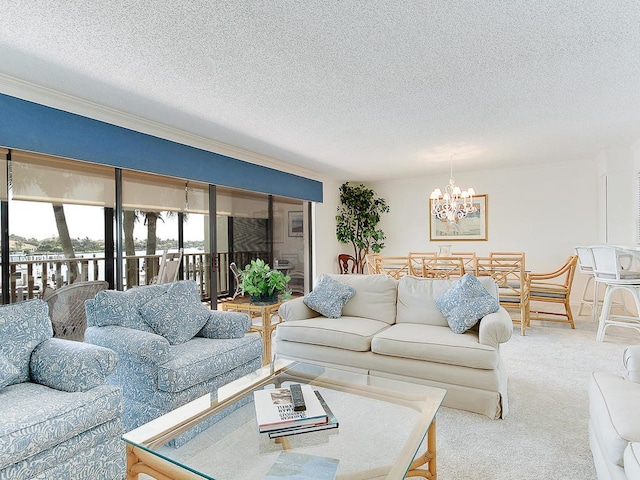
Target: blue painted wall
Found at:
x=30, y=126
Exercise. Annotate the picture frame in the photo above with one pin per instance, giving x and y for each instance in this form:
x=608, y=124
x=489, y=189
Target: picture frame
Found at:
x=473, y=227
x=295, y=224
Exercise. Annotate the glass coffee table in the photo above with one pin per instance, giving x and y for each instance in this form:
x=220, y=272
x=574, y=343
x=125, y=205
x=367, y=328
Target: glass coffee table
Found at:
x=386, y=430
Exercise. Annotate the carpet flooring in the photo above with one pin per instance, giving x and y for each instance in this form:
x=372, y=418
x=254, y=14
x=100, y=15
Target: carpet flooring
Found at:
x=545, y=434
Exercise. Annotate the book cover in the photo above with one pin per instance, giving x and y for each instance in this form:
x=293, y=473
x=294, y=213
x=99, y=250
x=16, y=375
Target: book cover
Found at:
x=274, y=409
x=294, y=430
x=299, y=466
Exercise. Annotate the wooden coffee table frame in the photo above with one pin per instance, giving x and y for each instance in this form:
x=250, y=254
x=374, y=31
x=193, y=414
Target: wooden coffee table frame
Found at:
x=141, y=459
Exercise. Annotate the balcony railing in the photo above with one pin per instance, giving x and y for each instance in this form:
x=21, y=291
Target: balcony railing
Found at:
x=30, y=277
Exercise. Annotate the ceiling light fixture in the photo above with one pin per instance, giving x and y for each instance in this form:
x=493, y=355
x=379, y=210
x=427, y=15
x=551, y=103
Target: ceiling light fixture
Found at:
x=455, y=204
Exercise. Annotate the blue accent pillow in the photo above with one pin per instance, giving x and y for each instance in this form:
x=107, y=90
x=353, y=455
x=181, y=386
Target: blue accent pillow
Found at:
x=178, y=314
x=465, y=303
x=329, y=296
x=9, y=373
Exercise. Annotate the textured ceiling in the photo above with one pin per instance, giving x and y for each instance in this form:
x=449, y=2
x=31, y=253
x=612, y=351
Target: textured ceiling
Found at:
x=361, y=90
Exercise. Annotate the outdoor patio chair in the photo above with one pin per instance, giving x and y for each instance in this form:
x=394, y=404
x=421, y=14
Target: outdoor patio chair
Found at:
x=66, y=308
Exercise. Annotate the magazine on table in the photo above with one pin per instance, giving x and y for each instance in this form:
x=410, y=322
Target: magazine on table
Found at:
x=331, y=423
x=274, y=409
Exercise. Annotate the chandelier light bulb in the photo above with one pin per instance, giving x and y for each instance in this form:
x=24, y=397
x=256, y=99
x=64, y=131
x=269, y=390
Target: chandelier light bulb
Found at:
x=455, y=204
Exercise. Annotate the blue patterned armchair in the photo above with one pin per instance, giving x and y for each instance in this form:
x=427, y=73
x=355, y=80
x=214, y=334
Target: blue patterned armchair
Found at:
x=58, y=418
x=171, y=348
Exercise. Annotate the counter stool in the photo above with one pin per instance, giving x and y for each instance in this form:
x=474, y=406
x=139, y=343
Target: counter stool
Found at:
x=609, y=264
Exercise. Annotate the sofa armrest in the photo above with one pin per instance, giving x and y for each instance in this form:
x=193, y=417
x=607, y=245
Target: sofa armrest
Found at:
x=71, y=366
x=142, y=346
x=495, y=328
x=631, y=361
x=225, y=325
x=295, y=309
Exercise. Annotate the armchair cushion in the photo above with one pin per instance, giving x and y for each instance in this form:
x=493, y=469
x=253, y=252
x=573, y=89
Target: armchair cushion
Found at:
x=129, y=343
x=9, y=373
x=329, y=296
x=71, y=366
x=225, y=325
x=23, y=326
x=177, y=314
x=466, y=302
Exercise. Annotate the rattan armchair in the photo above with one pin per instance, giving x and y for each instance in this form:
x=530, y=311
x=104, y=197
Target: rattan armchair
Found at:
x=66, y=308
x=553, y=287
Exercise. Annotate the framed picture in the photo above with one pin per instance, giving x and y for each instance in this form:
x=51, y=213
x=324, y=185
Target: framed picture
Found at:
x=471, y=227
x=295, y=224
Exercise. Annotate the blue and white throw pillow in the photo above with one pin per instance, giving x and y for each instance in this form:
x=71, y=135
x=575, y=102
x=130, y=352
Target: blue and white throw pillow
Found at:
x=465, y=303
x=177, y=315
x=9, y=373
x=329, y=296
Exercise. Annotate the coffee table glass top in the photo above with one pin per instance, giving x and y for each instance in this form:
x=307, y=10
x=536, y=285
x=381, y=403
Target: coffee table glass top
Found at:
x=382, y=425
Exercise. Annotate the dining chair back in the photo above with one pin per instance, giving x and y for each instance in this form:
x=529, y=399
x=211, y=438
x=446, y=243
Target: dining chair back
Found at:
x=442, y=267
x=510, y=276
x=347, y=263
x=395, y=267
x=553, y=287
x=416, y=262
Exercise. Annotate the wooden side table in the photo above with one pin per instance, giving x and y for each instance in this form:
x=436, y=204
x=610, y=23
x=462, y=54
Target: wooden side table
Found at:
x=268, y=321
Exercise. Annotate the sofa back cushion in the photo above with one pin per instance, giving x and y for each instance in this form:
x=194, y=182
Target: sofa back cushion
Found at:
x=375, y=297
x=114, y=307
x=23, y=326
x=417, y=298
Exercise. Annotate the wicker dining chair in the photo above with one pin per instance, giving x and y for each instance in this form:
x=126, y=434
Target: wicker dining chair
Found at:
x=553, y=287
x=66, y=308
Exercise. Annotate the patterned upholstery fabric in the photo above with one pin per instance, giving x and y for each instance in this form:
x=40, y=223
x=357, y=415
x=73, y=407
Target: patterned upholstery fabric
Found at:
x=62, y=421
x=9, y=373
x=112, y=307
x=71, y=366
x=22, y=327
x=466, y=302
x=329, y=296
x=175, y=314
x=156, y=376
x=225, y=325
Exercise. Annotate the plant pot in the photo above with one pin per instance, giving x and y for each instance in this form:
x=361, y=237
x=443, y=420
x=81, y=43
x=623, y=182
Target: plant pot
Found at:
x=264, y=299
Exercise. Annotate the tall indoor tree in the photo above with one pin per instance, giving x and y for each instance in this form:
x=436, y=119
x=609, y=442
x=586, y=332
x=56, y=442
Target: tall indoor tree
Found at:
x=358, y=216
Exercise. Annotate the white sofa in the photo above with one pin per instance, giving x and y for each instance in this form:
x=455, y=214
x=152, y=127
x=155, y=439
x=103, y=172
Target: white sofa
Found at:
x=614, y=420
x=393, y=328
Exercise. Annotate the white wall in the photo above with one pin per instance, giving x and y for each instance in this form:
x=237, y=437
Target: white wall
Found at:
x=544, y=211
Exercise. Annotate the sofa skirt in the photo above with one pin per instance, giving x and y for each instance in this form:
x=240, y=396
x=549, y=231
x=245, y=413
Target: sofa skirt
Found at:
x=472, y=389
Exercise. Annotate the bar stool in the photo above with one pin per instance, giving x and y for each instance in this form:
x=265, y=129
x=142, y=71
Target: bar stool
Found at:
x=585, y=265
x=609, y=264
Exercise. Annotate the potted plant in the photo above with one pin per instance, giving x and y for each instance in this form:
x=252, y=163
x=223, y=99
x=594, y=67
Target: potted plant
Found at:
x=358, y=216
x=262, y=283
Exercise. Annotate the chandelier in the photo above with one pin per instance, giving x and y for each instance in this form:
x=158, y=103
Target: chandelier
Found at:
x=455, y=204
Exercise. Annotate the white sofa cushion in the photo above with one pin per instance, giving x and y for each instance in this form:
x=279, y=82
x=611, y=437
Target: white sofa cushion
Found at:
x=632, y=461
x=349, y=333
x=433, y=343
x=375, y=297
x=417, y=299
x=613, y=409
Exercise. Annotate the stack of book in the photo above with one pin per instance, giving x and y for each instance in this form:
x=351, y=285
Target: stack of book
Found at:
x=275, y=414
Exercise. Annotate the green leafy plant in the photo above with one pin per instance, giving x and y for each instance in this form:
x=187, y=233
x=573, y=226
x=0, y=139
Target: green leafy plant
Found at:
x=258, y=278
x=357, y=221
